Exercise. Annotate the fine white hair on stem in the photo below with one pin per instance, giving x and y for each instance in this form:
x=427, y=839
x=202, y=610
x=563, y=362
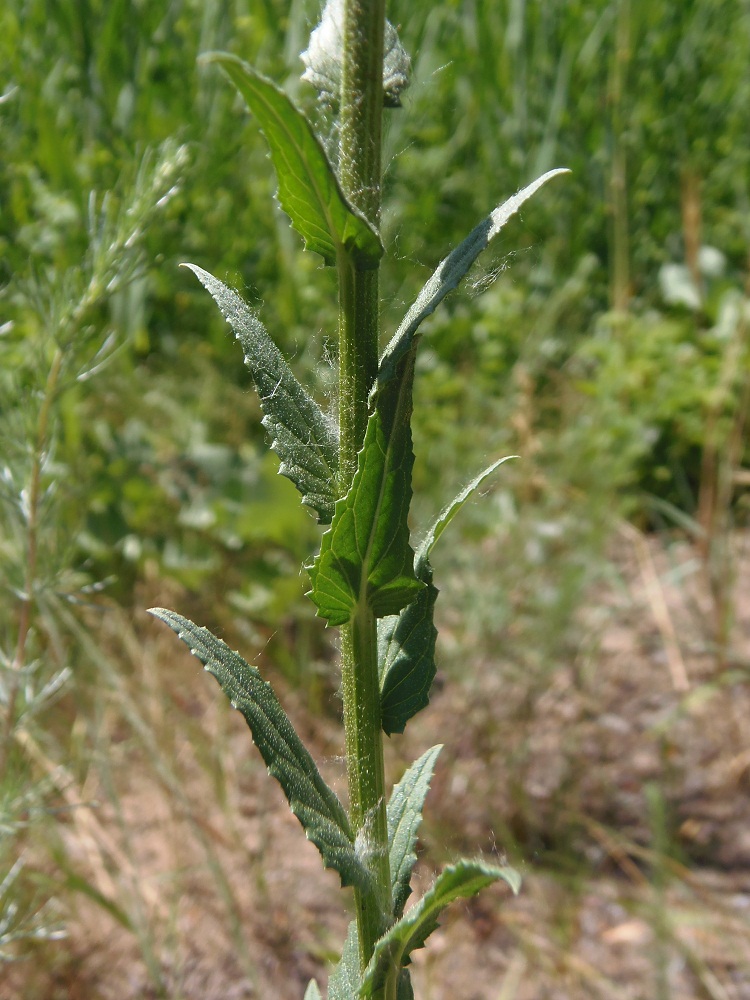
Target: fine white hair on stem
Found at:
x=323, y=58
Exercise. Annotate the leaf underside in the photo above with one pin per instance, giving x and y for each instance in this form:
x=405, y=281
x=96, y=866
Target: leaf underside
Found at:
x=313, y=991
x=448, y=513
x=406, y=659
x=406, y=642
x=450, y=272
x=314, y=804
x=309, y=191
x=343, y=983
x=404, y=816
x=393, y=950
x=302, y=436
x=365, y=556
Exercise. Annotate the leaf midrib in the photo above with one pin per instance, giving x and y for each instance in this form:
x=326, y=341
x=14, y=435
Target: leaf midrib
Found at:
x=332, y=228
x=365, y=577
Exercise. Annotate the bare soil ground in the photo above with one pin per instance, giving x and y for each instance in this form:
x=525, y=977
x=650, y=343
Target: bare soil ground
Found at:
x=619, y=784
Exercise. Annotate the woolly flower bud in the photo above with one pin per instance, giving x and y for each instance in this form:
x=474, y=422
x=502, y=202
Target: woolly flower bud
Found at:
x=323, y=58
x=396, y=67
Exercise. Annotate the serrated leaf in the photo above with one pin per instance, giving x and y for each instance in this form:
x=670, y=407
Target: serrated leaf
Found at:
x=301, y=435
x=343, y=983
x=406, y=659
x=309, y=191
x=393, y=950
x=406, y=642
x=313, y=991
x=314, y=804
x=365, y=556
x=450, y=272
x=404, y=816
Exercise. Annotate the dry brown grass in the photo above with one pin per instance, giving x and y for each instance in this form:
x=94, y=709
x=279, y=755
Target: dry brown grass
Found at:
x=622, y=793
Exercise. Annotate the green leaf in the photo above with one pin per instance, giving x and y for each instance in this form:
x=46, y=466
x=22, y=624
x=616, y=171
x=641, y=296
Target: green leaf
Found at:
x=309, y=191
x=314, y=804
x=393, y=950
x=406, y=659
x=302, y=436
x=313, y=991
x=343, y=983
x=404, y=991
x=450, y=272
x=448, y=513
x=404, y=817
x=365, y=556
x=406, y=643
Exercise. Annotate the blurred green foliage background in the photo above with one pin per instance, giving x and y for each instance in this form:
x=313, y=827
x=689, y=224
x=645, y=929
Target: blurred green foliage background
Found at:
x=605, y=340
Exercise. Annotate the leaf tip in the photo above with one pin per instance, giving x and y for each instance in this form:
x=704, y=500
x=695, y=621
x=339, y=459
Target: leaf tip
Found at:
x=199, y=272
x=215, y=56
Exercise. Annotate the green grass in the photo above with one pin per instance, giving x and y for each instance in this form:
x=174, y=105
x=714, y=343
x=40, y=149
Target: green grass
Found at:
x=153, y=471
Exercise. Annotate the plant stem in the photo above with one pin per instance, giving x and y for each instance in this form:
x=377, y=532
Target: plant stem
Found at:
x=358, y=359
x=620, y=274
x=366, y=774
x=360, y=132
x=361, y=115
x=32, y=531
x=361, y=109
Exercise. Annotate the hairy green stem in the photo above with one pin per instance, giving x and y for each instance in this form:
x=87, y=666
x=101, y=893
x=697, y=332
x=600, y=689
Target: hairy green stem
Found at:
x=358, y=359
x=361, y=114
x=360, y=123
x=364, y=754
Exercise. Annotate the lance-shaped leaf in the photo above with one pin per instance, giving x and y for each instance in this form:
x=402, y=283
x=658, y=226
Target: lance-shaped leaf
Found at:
x=314, y=804
x=309, y=191
x=450, y=272
x=448, y=513
x=406, y=658
x=404, y=817
x=365, y=556
x=343, y=983
x=406, y=642
x=301, y=435
x=313, y=991
x=404, y=991
x=393, y=950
